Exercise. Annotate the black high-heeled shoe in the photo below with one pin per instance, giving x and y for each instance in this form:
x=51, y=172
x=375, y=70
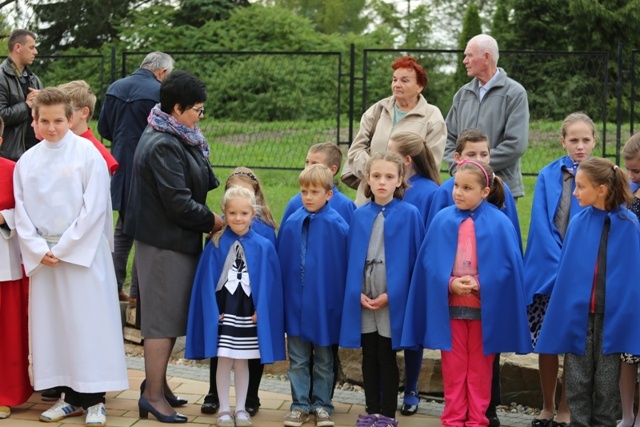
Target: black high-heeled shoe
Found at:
x=175, y=402
x=145, y=407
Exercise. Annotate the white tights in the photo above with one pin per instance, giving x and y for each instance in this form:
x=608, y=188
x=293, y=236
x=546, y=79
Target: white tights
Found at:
x=241, y=382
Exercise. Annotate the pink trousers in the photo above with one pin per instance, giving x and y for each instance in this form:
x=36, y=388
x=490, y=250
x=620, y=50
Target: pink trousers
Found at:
x=466, y=374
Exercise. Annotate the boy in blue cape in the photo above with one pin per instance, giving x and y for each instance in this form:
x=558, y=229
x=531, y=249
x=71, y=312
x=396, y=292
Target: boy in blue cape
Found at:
x=312, y=246
x=329, y=155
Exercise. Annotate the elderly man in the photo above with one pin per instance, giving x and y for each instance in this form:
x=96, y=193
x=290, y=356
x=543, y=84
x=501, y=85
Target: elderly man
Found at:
x=122, y=120
x=496, y=104
x=18, y=88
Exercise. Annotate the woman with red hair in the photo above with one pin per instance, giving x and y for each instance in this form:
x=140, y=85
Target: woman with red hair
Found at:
x=406, y=110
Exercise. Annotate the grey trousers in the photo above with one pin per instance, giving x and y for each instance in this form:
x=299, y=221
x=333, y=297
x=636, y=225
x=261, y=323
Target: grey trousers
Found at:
x=593, y=393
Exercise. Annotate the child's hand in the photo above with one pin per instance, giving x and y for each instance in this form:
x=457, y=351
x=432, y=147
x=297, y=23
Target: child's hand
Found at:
x=381, y=301
x=49, y=260
x=2, y=221
x=365, y=302
x=464, y=285
x=254, y=317
x=220, y=317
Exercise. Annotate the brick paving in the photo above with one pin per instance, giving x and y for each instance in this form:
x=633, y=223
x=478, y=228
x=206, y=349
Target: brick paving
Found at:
x=191, y=382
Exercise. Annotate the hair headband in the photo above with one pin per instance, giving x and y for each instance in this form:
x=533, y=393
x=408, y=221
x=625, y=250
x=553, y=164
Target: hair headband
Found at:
x=249, y=174
x=484, y=171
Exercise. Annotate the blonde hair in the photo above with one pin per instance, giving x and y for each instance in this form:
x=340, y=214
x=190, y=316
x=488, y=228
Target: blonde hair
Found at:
x=80, y=94
x=631, y=150
x=575, y=118
x=413, y=145
x=317, y=176
x=603, y=172
x=391, y=157
x=246, y=175
x=331, y=151
x=232, y=193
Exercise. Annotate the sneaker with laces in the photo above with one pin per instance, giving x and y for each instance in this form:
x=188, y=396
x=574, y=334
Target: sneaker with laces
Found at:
x=368, y=420
x=96, y=415
x=386, y=422
x=323, y=419
x=296, y=418
x=59, y=411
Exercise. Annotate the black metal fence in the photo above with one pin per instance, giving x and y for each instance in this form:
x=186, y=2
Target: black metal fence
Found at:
x=266, y=108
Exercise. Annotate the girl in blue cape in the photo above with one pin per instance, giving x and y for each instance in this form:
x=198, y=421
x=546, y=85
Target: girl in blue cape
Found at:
x=236, y=303
x=552, y=210
x=423, y=178
x=472, y=144
x=264, y=225
x=592, y=312
x=384, y=237
x=629, y=369
x=467, y=296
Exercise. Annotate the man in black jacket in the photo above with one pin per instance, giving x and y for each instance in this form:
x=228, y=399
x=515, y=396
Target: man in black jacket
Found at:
x=123, y=118
x=18, y=88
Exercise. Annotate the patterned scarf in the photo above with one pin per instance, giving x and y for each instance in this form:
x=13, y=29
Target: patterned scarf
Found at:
x=163, y=122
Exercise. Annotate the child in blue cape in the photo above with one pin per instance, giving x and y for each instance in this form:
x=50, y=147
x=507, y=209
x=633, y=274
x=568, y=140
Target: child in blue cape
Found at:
x=472, y=144
x=629, y=369
x=236, y=304
x=384, y=237
x=423, y=178
x=264, y=225
x=595, y=297
x=312, y=247
x=467, y=296
x=329, y=155
x=552, y=209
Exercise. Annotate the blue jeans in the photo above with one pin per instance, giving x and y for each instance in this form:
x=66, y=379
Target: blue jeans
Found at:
x=300, y=354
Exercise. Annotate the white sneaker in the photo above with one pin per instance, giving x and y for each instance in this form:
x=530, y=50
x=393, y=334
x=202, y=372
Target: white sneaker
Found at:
x=96, y=415
x=59, y=411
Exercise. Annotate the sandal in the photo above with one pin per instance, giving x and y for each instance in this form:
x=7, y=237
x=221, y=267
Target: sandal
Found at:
x=244, y=420
x=541, y=422
x=229, y=422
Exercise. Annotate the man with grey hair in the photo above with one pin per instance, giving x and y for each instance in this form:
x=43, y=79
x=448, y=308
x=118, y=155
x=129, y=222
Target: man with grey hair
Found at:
x=496, y=104
x=18, y=88
x=123, y=118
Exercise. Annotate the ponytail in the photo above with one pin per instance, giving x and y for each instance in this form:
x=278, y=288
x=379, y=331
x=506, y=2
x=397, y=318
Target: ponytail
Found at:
x=486, y=178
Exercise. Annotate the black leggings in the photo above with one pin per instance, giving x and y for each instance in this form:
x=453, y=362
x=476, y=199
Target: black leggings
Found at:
x=85, y=400
x=380, y=374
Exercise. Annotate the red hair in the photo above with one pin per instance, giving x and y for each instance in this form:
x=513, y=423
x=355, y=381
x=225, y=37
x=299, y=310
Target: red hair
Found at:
x=411, y=62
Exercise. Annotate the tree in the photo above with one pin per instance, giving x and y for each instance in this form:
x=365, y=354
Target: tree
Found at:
x=198, y=12
x=330, y=16
x=502, y=29
x=471, y=26
x=80, y=23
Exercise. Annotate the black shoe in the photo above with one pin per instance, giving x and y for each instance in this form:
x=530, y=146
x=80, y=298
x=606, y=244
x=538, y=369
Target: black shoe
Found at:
x=211, y=406
x=252, y=410
x=410, y=409
x=174, y=402
x=51, y=395
x=492, y=416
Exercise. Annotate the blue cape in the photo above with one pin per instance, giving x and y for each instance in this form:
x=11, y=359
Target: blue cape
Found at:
x=544, y=242
x=266, y=291
x=403, y=232
x=264, y=229
x=564, y=329
x=443, y=197
x=313, y=308
x=504, y=316
x=420, y=194
x=341, y=203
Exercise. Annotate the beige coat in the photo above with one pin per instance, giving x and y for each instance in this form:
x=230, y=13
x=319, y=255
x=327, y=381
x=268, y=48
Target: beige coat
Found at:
x=424, y=119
